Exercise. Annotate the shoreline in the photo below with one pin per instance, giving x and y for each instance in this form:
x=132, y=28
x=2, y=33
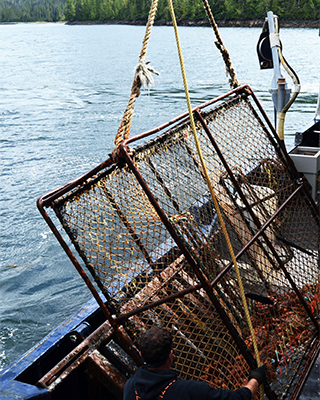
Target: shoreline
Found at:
x=205, y=23
x=257, y=23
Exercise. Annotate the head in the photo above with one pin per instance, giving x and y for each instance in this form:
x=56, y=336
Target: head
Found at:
x=155, y=346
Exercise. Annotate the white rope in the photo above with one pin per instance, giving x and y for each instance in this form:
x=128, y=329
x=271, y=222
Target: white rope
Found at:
x=143, y=73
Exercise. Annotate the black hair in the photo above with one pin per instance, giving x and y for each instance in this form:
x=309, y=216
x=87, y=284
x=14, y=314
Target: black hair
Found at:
x=155, y=345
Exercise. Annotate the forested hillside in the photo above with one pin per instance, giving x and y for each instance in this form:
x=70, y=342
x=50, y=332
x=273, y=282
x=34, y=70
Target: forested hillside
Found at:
x=32, y=10
x=137, y=10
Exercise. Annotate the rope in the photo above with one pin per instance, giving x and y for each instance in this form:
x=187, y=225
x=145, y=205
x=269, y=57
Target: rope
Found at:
x=143, y=72
x=224, y=52
x=205, y=170
x=142, y=77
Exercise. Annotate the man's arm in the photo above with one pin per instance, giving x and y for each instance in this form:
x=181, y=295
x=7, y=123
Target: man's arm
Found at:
x=253, y=386
x=256, y=378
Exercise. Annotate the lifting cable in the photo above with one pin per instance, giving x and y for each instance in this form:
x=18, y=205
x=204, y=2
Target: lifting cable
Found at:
x=224, y=52
x=214, y=198
x=142, y=77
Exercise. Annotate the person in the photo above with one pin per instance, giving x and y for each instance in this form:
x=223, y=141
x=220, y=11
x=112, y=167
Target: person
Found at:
x=155, y=380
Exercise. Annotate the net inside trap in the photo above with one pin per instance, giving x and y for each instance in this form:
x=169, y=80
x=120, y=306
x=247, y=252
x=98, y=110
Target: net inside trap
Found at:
x=147, y=230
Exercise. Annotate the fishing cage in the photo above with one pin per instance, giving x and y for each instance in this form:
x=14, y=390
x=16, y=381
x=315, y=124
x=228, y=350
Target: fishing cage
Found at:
x=145, y=228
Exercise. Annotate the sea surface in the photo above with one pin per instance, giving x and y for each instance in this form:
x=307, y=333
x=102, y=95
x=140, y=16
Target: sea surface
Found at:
x=63, y=91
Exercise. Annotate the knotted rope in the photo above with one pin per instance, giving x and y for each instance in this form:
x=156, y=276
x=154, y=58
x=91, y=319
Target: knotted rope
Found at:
x=143, y=77
x=143, y=72
x=224, y=52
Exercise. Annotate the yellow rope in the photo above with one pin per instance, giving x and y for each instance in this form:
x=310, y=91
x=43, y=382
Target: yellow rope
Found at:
x=205, y=170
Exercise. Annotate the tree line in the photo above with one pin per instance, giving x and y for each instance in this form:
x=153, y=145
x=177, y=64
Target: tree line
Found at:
x=138, y=10
x=32, y=10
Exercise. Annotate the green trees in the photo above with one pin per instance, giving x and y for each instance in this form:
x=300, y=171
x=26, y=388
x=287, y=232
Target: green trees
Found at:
x=31, y=10
x=70, y=11
x=138, y=10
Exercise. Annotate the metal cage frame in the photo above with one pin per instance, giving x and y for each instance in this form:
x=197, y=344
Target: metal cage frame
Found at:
x=126, y=159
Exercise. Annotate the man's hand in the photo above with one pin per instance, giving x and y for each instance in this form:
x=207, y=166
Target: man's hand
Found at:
x=259, y=374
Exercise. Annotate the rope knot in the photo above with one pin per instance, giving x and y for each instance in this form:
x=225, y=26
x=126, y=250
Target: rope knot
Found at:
x=143, y=74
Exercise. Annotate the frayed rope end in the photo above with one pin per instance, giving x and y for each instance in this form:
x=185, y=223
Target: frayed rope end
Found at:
x=143, y=74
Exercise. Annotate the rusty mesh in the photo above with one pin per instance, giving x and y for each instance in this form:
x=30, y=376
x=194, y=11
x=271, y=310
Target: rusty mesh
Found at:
x=172, y=267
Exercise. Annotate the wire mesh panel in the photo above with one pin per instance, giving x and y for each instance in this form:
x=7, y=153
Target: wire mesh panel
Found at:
x=203, y=347
x=147, y=230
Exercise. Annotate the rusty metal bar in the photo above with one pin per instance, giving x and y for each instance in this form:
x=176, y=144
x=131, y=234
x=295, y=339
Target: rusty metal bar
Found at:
x=255, y=219
x=159, y=302
x=99, y=366
x=206, y=285
x=49, y=197
x=95, y=339
x=106, y=373
x=57, y=380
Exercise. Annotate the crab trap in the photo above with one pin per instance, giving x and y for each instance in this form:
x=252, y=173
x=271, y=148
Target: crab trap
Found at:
x=146, y=233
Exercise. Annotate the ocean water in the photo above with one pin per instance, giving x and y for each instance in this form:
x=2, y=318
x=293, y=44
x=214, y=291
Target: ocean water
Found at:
x=63, y=91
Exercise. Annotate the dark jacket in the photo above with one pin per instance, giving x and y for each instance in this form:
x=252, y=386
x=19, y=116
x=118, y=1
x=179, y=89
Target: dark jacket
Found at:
x=150, y=383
